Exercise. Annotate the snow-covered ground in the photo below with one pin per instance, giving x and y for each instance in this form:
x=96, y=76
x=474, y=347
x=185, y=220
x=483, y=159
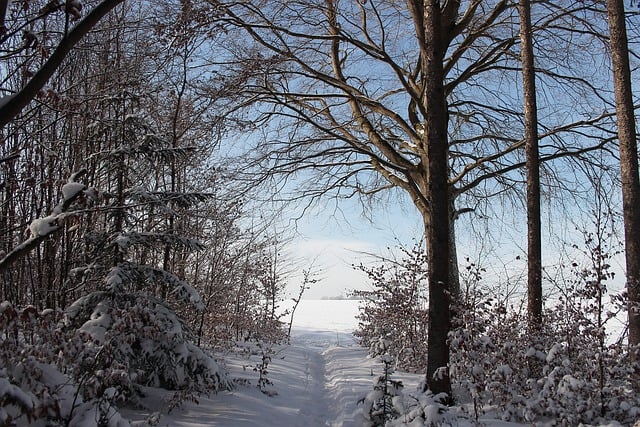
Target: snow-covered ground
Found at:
x=318, y=379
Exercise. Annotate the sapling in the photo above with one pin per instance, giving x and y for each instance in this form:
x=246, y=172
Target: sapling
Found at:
x=379, y=404
x=264, y=383
x=307, y=281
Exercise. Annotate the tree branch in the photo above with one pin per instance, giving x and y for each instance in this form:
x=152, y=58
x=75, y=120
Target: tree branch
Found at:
x=12, y=105
x=55, y=225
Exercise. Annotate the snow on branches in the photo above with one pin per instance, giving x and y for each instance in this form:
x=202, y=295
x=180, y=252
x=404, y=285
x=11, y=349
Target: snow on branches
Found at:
x=74, y=194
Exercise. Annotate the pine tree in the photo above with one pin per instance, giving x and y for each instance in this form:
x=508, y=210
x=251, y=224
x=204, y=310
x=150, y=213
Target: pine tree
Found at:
x=128, y=313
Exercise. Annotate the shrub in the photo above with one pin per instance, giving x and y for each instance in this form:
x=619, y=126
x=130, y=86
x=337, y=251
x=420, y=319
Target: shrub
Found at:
x=567, y=371
x=393, y=316
x=132, y=340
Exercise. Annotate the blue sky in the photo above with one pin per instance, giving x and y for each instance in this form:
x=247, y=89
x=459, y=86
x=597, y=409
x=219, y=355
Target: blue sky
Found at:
x=333, y=241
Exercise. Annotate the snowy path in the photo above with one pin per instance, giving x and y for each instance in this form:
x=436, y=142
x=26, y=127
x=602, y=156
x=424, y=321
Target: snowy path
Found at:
x=318, y=380
x=315, y=382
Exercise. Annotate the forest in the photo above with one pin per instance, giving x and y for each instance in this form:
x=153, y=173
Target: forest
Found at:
x=152, y=150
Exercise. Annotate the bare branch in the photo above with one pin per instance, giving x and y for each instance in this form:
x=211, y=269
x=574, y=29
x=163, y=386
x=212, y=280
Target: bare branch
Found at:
x=12, y=105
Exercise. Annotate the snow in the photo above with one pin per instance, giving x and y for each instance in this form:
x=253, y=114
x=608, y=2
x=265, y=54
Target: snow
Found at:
x=504, y=371
x=14, y=393
x=319, y=379
x=188, y=293
x=43, y=226
x=71, y=190
x=99, y=322
x=114, y=278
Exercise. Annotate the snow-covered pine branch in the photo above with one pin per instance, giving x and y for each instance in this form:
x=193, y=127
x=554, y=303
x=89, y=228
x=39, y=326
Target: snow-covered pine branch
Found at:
x=144, y=337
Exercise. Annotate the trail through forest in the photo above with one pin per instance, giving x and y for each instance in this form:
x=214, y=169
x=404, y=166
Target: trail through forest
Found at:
x=315, y=381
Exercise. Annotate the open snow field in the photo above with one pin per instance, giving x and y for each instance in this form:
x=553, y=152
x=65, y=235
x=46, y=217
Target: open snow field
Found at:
x=318, y=379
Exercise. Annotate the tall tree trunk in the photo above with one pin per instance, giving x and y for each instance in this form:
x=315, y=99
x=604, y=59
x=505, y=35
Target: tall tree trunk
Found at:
x=628, y=161
x=437, y=227
x=534, y=251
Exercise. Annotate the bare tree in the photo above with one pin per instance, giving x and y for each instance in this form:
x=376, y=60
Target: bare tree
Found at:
x=419, y=164
x=346, y=97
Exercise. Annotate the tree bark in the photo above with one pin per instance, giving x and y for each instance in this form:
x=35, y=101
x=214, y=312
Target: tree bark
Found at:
x=534, y=247
x=628, y=161
x=437, y=227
